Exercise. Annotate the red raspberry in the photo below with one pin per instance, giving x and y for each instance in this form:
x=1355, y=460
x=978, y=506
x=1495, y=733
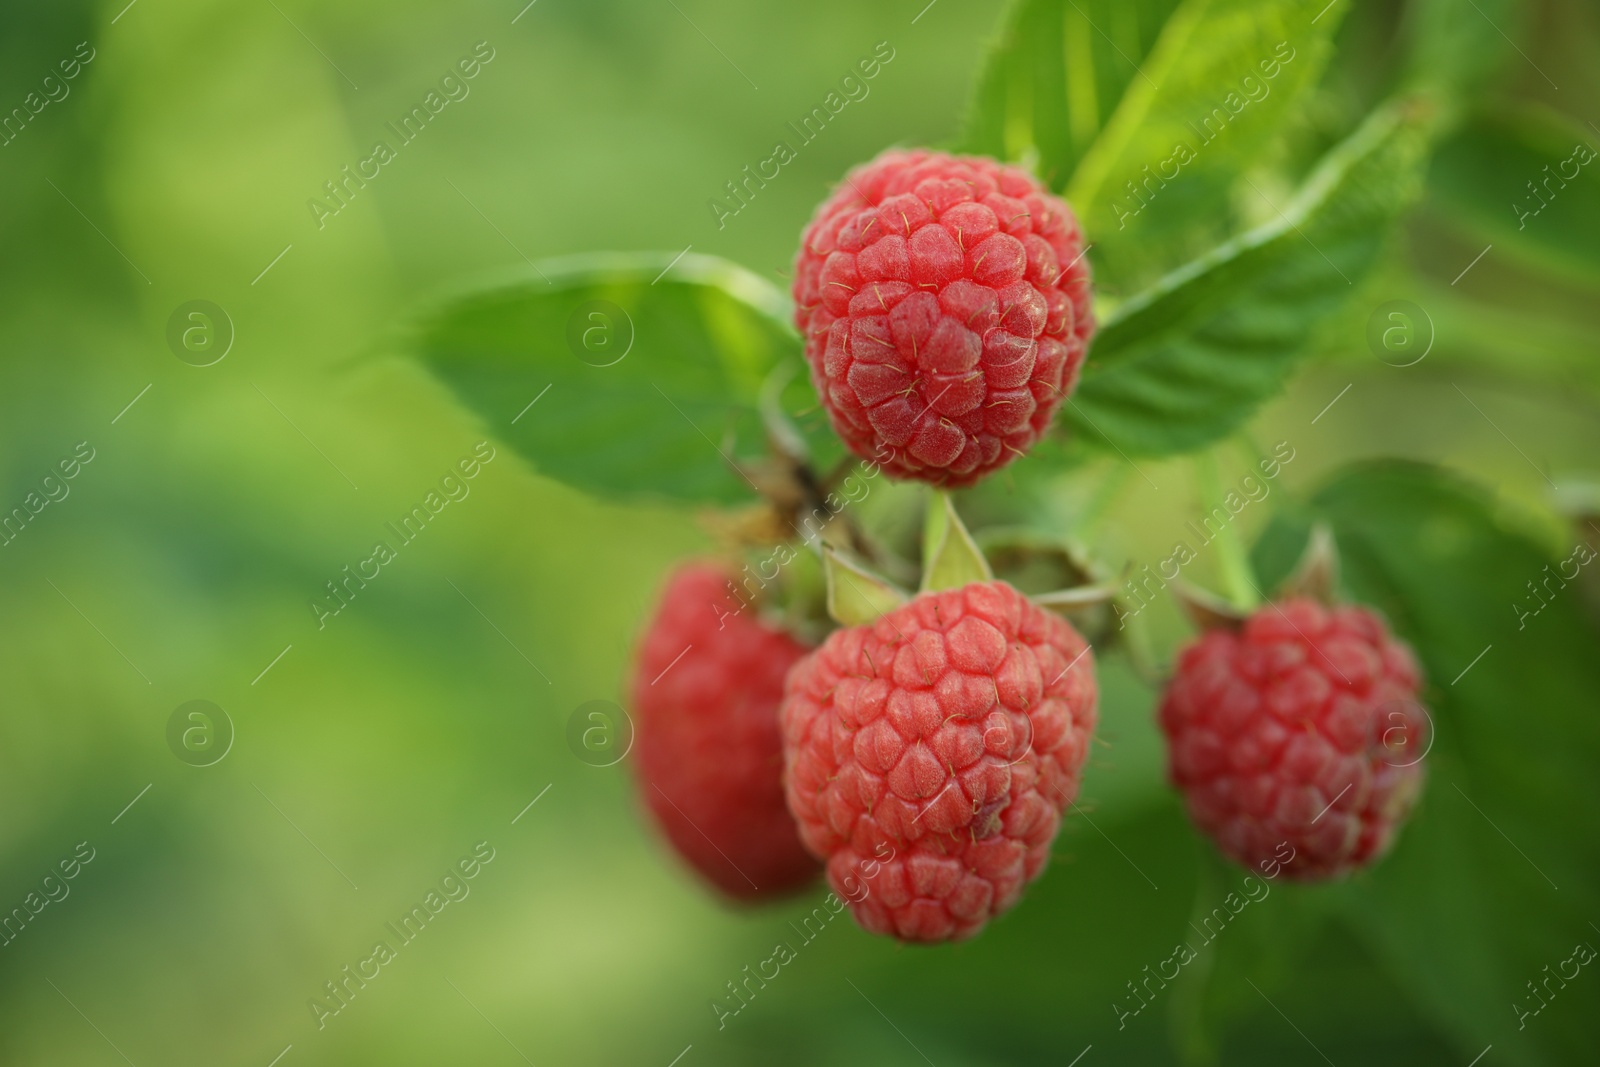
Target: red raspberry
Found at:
x=1302, y=730
x=945, y=307
x=929, y=755
x=710, y=759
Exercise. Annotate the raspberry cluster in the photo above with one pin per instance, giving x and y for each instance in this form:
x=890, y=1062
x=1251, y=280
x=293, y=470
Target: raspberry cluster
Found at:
x=944, y=302
x=929, y=756
x=1303, y=728
x=926, y=757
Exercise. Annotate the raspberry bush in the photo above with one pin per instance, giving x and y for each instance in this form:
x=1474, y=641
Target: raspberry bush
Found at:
x=925, y=749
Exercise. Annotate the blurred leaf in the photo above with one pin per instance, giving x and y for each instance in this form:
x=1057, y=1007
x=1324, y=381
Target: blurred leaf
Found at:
x=1505, y=797
x=1054, y=78
x=1262, y=946
x=1182, y=364
x=1456, y=49
x=1225, y=75
x=1538, y=344
x=629, y=352
x=1516, y=178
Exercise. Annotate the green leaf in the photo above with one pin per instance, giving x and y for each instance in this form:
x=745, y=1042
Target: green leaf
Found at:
x=1511, y=808
x=1185, y=362
x=643, y=380
x=1456, y=49
x=1158, y=184
x=1518, y=178
x=1260, y=951
x=1054, y=78
x=950, y=557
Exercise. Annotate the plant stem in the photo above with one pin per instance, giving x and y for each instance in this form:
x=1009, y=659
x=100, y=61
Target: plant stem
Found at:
x=1237, y=578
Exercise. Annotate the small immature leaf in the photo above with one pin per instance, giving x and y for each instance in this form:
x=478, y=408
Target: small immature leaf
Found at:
x=623, y=377
x=1185, y=362
x=950, y=557
x=856, y=596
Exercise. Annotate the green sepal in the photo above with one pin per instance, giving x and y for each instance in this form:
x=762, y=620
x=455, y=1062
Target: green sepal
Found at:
x=856, y=596
x=1078, y=598
x=1207, y=610
x=1317, y=574
x=950, y=557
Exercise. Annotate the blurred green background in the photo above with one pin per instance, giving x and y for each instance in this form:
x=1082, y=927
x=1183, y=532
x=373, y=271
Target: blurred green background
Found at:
x=372, y=754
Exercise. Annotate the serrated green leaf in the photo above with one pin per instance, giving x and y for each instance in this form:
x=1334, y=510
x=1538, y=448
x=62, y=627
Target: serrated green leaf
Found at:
x=1185, y=362
x=1529, y=181
x=1510, y=805
x=1156, y=187
x=1055, y=76
x=643, y=380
